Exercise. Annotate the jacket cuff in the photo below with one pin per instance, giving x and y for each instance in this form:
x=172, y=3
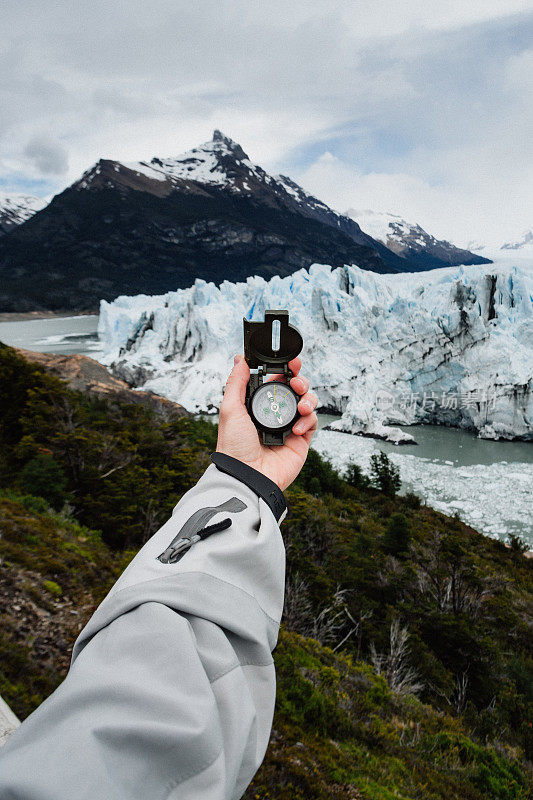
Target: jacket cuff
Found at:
x=256, y=481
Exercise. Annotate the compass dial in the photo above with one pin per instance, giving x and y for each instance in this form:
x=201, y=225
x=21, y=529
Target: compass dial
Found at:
x=274, y=405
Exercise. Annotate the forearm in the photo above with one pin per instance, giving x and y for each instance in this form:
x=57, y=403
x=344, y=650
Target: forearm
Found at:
x=171, y=688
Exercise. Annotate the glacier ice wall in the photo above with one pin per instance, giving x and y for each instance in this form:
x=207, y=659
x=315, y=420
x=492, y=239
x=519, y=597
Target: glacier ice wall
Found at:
x=453, y=346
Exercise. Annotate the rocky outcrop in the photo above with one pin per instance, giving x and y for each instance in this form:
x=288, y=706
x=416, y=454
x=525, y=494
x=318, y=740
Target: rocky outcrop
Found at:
x=83, y=374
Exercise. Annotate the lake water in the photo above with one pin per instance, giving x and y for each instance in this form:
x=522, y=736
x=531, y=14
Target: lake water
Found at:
x=54, y=334
x=489, y=484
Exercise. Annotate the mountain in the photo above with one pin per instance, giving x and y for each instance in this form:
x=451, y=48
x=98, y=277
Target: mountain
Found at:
x=16, y=209
x=152, y=227
x=411, y=242
x=523, y=244
x=450, y=348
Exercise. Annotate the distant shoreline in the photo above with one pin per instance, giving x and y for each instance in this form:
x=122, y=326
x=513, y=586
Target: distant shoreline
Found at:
x=19, y=316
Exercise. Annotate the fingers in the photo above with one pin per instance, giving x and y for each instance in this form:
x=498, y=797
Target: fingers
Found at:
x=308, y=435
x=299, y=384
x=306, y=425
x=308, y=422
x=235, y=390
x=295, y=366
x=307, y=403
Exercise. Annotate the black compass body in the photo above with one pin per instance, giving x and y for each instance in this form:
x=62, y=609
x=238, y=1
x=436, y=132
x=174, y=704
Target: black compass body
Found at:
x=268, y=348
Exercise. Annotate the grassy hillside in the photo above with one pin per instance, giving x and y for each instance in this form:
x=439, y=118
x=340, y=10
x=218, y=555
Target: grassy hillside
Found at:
x=53, y=574
x=404, y=666
x=340, y=732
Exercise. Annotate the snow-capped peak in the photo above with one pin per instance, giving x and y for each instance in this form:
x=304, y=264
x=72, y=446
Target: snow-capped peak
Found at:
x=221, y=140
x=17, y=208
x=207, y=163
x=409, y=240
x=219, y=163
x=525, y=242
x=389, y=228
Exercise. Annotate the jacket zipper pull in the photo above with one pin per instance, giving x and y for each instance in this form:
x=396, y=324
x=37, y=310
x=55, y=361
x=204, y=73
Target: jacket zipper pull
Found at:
x=204, y=533
x=185, y=544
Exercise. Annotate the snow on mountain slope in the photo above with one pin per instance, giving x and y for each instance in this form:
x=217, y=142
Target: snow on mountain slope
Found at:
x=202, y=164
x=381, y=225
x=222, y=163
x=411, y=241
x=17, y=208
x=154, y=226
x=454, y=348
x=523, y=244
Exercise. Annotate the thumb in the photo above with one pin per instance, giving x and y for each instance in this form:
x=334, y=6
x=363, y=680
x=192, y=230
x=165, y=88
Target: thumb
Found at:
x=235, y=391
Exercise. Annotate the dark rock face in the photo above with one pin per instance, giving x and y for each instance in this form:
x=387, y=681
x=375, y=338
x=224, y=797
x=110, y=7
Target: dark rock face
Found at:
x=154, y=227
x=423, y=251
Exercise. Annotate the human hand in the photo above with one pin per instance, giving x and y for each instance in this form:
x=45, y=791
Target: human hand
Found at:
x=238, y=436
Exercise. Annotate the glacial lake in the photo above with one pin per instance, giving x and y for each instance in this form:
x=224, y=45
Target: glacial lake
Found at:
x=489, y=484
x=53, y=334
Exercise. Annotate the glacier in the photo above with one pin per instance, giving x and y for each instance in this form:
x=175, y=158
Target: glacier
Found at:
x=453, y=346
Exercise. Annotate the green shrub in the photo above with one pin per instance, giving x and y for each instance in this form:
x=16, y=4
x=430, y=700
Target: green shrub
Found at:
x=517, y=544
x=44, y=477
x=397, y=536
x=28, y=501
x=412, y=500
x=53, y=587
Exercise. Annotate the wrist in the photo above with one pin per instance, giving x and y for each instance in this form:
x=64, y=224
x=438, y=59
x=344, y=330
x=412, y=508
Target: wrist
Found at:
x=255, y=480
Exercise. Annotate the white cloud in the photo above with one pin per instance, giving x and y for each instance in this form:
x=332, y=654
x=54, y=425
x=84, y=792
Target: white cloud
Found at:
x=467, y=208
x=47, y=156
x=415, y=98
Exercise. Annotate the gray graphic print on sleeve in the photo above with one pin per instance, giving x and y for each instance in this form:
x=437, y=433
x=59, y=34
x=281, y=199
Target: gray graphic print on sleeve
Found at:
x=199, y=520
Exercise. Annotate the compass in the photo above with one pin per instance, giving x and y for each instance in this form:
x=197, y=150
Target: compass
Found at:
x=268, y=348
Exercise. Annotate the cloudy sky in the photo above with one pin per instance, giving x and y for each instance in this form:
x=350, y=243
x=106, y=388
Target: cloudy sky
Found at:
x=419, y=107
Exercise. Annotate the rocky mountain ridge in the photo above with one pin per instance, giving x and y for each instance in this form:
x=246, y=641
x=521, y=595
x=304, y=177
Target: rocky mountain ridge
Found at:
x=148, y=227
x=151, y=227
x=411, y=242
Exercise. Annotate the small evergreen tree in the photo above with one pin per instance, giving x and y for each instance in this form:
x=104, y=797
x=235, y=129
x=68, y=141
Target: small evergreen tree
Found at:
x=355, y=476
x=384, y=474
x=397, y=536
x=318, y=477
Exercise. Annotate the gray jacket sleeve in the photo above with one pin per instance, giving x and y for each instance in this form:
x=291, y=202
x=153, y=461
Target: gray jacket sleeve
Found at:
x=170, y=693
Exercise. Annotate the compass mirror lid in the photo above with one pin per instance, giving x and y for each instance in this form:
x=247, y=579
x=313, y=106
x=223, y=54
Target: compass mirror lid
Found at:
x=273, y=343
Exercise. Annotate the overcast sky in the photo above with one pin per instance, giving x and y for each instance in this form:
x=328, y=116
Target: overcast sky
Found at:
x=418, y=107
